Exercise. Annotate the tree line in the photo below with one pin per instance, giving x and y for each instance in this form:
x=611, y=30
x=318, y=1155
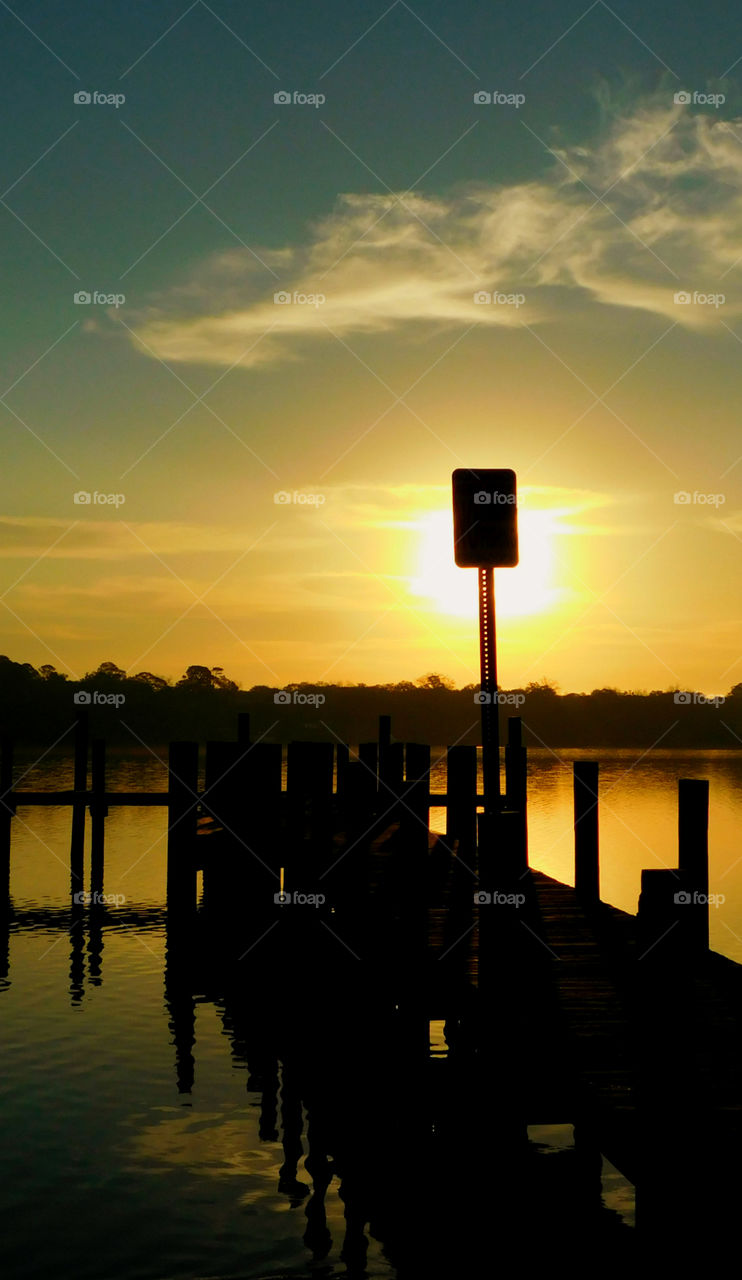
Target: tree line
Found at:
x=38, y=706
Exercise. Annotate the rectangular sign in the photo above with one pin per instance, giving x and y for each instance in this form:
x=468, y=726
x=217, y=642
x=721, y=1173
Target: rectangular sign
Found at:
x=485, y=519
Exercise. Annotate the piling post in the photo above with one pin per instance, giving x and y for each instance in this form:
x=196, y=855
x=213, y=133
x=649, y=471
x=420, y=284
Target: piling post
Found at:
x=663, y=920
x=243, y=728
x=693, y=855
x=368, y=756
x=461, y=788
x=516, y=766
x=385, y=741
x=342, y=757
x=182, y=825
x=80, y=786
x=98, y=813
x=587, y=858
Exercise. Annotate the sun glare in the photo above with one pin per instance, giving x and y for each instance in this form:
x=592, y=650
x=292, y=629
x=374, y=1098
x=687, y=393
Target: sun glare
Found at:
x=527, y=589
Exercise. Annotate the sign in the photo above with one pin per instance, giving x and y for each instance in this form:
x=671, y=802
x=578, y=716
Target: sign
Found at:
x=485, y=519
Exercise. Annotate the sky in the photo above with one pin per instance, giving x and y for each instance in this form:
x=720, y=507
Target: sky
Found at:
x=272, y=272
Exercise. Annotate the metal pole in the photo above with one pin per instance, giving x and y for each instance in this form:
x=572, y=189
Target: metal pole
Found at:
x=488, y=685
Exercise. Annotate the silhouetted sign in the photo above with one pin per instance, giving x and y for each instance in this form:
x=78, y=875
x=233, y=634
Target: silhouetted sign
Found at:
x=485, y=519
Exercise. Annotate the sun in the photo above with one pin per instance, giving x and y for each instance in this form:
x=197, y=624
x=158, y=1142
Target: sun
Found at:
x=527, y=589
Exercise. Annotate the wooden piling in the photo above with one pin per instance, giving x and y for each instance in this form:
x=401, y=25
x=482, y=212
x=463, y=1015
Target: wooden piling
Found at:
x=342, y=758
x=309, y=787
x=461, y=788
x=98, y=813
x=516, y=768
x=663, y=920
x=80, y=786
x=391, y=775
x=182, y=825
x=368, y=756
x=693, y=855
x=587, y=858
x=260, y=851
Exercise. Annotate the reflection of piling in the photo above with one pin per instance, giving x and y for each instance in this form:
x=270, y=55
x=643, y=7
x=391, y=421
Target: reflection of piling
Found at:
x=182, y=825
x=80, y=784
x=98, y=812
x=587, y=865
x=7, y=810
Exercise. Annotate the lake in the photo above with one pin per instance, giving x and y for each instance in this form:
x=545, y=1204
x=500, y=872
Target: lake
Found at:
x=110, y=1169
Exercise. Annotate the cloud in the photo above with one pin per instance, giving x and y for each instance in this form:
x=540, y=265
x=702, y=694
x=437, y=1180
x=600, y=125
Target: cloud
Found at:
x=650, y=208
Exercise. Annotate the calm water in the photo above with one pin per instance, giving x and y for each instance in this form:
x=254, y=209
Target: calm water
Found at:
x=109, y=1171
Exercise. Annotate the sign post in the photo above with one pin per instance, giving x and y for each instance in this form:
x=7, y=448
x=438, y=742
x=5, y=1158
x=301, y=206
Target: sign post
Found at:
x=485, y=532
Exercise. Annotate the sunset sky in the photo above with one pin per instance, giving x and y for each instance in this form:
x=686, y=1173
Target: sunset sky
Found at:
x=585, y=201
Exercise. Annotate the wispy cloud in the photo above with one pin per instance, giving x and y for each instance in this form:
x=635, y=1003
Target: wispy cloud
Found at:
x=650, y=208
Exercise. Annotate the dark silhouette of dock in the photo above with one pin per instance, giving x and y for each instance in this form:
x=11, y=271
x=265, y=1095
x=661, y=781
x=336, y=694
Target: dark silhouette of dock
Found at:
x=334, y=928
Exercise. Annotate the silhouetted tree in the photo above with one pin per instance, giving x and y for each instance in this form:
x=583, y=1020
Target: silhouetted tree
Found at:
x=434, y=680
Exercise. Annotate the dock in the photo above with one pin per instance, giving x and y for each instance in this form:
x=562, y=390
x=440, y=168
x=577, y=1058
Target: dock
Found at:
x=329, y=905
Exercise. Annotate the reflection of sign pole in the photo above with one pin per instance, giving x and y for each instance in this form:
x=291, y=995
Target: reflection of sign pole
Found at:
x=485, y=531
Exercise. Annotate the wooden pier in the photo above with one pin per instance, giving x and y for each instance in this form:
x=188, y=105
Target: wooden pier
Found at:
x=557, y=1007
